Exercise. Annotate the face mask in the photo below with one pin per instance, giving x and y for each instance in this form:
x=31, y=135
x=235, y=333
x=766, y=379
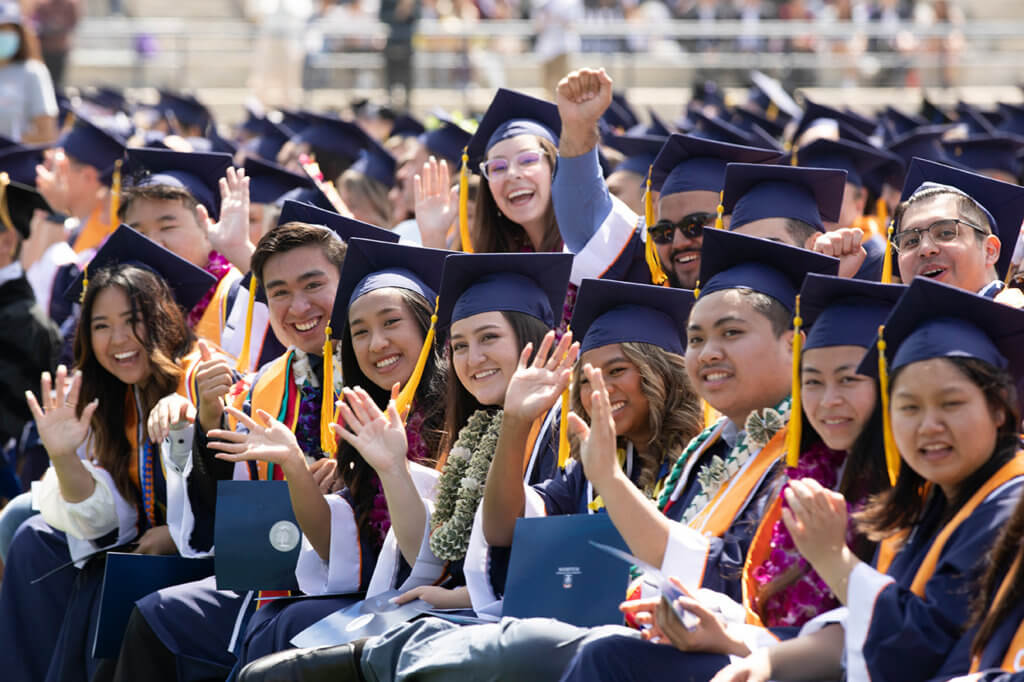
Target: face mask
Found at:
x=9, y=44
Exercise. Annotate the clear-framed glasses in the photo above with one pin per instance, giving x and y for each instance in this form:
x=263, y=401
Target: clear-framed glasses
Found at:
x=691, y=225
x=941, y=231
x=496, y=169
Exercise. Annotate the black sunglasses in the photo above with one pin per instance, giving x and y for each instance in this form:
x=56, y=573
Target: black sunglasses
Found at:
x=692, y=226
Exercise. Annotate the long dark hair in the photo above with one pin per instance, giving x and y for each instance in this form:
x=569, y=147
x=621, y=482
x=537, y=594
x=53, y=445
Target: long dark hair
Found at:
x=985, y=613
x=493, y=232
x=166, y=339
x=459, y=404
x=354, y=472
x=901, y=506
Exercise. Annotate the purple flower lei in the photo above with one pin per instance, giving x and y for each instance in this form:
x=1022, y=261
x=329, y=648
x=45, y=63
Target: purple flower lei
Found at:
x=809, y=595
x=218, y=266
x=307, y=427
x=380, y=517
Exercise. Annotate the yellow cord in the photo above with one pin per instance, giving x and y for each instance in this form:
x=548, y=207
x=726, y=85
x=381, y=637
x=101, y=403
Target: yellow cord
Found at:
x=85, y=282
x=563, y=430
x=892, y=453
x=658, y=275
x=467, y=245
x=887, y=259
x=243, y=358
x=719, y=223
x=405, y=396
x=5, y=216
x=327, y=441
x=115, y=196
x=796, y=416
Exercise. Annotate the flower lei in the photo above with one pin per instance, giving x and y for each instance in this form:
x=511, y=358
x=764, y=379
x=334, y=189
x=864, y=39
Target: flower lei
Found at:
x=307, y=426
x=808, y=595
x=218, y=266
x=380, y=515
x=760, y=427
x=462, y=485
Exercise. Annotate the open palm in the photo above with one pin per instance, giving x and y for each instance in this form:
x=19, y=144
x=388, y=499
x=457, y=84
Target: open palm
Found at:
x=597, y=442
x=267, y=440
x=437, y=202
x=232, y=230
x=61, y=429
x=378, y=436
x=534, y=387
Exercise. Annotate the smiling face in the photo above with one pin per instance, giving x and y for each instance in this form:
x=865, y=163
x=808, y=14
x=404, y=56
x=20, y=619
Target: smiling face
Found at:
x=943, y=425
x=838, y=402
x=630, y=408
x=172, y=225
x=523, y=191
x=681, y=258
x=117, y=336
x=386, y=338
x=300, y=285
x=485, y=353
x=734, y=359
x=965, y=262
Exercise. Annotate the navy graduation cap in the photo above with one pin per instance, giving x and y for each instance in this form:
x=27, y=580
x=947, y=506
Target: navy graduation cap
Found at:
x=20, y=161
x=712, y=128
x=510, y=114
x=973, y=119
x=90, y=144
x=639, y=151
x=125, y=246
x=345, y=228
x=900, y=123
x=988, y=152
x=769, y=94
x=1013, y=118
x=619, y=114
x=608, y=311
x=7, y=143
x=370, y=265
x=814, y=112
x=841, y=311
x=406, y=125
x=333, y=135
x=856, y=159
x=446, y=142
x=268, y=181
x=687, y=163
x=936, y=320
x=756, y=191
x=198, y=173
x=17, y=203
x=376, y=163
x=932, y=113
x=746, y=118
x=296, y=121
x=925, y=143
x=185, y=109
x=1001, y=202
x=313, y=196
x=530, y=283
x=730, y=260
x=107, y=98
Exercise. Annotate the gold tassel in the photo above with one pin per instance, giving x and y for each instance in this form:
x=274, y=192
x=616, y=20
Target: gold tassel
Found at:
x=327, y=441
x=85, y=283
x=243, y=358
x=658, y=275
x=892, y=453
x=696, y=290
x=563, y=427
x=796, y=416
x=405, y=396
x=467, y=245
x=887, y=259
x=115, y=196
x=5, y=216
x=719, y=224
x=792, y=159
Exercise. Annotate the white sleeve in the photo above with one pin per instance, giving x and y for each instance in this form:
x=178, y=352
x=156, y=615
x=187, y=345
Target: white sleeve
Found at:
x=607, y=244
x=865, y=585
x=343, y=568
x=686, y=556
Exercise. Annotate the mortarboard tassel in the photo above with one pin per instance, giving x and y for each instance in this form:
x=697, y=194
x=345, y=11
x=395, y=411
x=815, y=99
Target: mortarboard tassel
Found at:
x=887, y=259
x=243, y=358
x=720, y=211
x=115, y=196
x=792, y=159
x=796, y=417
x=658, y=275
x=696, y=290
x=85, y=282
x=405, y=396
x=563, y=430
x=467, y=245
x=892, y=453
x=1015, y=259
x=772, y=112
x=327, y=440
x=5, y=216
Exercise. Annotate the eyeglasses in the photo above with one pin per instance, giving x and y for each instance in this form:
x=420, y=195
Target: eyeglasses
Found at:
x=692, y=226
x=941, y=231
x=496, y=168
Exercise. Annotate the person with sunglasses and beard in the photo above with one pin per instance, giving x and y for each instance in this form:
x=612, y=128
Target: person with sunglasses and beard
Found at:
x=688, y=172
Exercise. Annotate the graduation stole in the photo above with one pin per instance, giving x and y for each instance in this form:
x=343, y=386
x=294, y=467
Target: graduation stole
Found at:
x=276, y=393
x=143, y=459
x=1013, y=660
x=212, y=321
x=94, y=232
x=887, y=550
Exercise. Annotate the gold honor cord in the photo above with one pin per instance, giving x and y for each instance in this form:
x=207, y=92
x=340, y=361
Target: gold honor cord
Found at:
x=327, y=441
x=243, y=358
x=115, y=196
x=720, y=211
x=563, y=430
x=892, y=453
x=796, y=416
x=887, y=260
x=658, y=275
x=5, y=216
x=467, y=245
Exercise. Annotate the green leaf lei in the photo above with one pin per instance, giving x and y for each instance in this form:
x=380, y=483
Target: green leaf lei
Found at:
x=462, y=485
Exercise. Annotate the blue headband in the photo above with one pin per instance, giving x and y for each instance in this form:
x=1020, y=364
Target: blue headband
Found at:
x=399, y=278
x=520, y=126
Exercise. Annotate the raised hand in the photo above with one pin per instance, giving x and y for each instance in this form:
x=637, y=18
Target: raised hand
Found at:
x=230, y=234
x=168, y=412
x=379, y=437
x=214, y=378
x=267, y=440
x=61, y=430
x=156, y=540
x=582, y=97
x=844, y=244
x=52, y=182
x=597, y=442
x=323, y=473
x=816, y=518
x=535, y=387
x=436, y=202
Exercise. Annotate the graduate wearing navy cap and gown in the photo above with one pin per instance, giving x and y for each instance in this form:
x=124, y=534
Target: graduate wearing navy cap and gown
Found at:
x=996, y=155
x=62, y=608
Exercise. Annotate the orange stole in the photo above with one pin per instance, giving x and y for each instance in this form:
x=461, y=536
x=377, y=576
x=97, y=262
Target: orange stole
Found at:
x=94, y=232
x=869, y=225
x=759, y=551
x=721, y=511
x=211, y=324
x=1009, y=471
x=1016, y=649
x=276, y=394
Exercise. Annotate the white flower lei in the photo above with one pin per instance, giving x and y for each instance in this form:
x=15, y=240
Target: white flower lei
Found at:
x=462, y=485
x=760, y=427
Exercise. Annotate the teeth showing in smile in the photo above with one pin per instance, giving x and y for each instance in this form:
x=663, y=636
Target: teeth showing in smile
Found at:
x=484, y=374
x=386, y=362
x=519, y=193
x=934, y=448
x=127, y=355
x=837, y=420
x=618, y=405
x=306, y=326
x=932, y=272
x=686, y=258
x=715, y=376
